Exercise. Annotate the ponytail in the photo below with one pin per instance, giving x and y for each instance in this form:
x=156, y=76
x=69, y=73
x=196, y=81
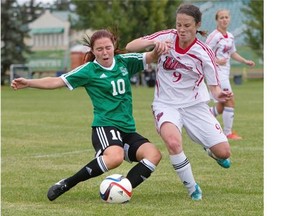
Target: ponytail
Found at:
x=88, y=57
x=202, y=33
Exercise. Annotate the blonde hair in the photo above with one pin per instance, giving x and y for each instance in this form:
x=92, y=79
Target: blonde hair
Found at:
x=220, y=10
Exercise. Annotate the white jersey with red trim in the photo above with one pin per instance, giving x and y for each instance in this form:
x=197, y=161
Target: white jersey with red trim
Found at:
x=180, y=73
x=224, y=47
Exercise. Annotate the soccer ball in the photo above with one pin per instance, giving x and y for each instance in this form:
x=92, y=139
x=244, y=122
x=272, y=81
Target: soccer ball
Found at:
x=116, y=189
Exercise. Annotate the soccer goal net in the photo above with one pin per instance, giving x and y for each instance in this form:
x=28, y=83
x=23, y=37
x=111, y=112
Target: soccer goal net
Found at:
x=19, y=70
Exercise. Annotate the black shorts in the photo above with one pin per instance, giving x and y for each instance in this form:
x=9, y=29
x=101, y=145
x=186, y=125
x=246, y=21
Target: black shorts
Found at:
x=103, y=137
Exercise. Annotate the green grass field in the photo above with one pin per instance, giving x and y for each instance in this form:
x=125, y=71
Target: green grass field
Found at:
x=46, y=137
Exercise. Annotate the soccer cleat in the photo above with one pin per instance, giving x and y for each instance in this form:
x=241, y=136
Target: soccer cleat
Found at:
x=57, y=189
x=197, y=194
x=234, y=136
x=225, y=163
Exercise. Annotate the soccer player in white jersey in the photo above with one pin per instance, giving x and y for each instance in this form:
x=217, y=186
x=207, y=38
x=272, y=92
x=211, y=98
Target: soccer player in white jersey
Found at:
x=181, y=96
x=106, y=78
x=223, y=44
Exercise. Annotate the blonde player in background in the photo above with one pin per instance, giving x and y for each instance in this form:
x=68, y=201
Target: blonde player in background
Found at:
x=181, y=95
x=223, y=44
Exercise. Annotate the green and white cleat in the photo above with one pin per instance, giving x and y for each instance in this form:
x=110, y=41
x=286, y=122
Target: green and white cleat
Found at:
x=197, y=194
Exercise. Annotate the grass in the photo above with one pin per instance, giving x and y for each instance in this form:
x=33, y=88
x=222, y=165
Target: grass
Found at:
x=46, y=137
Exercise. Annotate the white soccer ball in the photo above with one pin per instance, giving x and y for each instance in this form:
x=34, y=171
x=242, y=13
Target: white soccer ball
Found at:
x=116, y=189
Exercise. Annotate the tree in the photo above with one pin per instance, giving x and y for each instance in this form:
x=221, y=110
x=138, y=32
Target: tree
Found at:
x=13, y=31
x=31, y=10
x=133, y=18
x=254, y=32
x=62, y=5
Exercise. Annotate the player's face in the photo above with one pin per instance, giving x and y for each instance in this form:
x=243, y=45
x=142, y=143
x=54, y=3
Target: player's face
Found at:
x=186, y=28
x=223, y=19
x=103, y=50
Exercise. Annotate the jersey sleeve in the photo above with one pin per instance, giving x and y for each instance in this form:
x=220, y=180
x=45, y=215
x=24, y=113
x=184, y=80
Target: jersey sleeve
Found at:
x=162, y=35
x=77, y=77
x=135, y=62
x=210, y=67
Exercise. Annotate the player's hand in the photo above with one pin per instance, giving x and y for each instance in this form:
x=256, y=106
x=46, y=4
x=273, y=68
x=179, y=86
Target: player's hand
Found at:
x=224, y=96
x=19, y=83
x=250, y=63
x=221, y=61
x=162, y=47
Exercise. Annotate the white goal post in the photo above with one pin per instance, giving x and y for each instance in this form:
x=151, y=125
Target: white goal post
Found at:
x=20, y=70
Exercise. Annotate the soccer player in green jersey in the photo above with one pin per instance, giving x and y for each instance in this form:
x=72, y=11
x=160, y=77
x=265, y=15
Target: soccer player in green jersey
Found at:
x=106, y=78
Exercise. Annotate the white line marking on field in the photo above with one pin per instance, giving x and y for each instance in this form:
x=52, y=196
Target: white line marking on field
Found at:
x=61, y=154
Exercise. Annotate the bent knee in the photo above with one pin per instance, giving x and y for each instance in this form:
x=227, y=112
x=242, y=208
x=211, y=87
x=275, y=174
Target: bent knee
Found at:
x=154, y=156
x=157, y=156
x=221, y=150
x=174, y=146
x=150, y=152
x=224, y=154
x=115, y=161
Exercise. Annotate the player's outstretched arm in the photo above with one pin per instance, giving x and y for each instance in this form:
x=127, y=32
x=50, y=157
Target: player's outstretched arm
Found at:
x=43, y=83
x=240, y=59
x=139, y=44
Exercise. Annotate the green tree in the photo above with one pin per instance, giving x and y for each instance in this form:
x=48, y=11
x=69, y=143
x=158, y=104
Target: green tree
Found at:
x=62, y=5
x=133, y=18
x=31, y=10
x=13, y=31
x=254, y=32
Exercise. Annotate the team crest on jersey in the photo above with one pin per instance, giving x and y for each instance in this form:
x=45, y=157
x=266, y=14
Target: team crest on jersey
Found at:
x=172, y=64
x=123, y=71
x=226, y=49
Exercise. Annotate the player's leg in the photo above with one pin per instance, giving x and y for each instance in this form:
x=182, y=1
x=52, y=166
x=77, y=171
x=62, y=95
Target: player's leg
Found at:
x=168, y=123
x=109, y=155
x=210, y=134
x=228, y=119
x=228, y=113
x=139, y=149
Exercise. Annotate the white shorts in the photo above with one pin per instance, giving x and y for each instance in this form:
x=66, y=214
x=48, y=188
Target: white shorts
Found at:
x=201, y=126
x=225, y=85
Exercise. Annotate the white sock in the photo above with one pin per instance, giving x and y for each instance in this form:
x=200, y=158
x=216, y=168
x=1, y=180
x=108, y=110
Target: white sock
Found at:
x=228, y=118
x=184, y=170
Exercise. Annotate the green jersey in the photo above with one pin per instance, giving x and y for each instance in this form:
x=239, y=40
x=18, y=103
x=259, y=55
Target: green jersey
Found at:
x=109, y=89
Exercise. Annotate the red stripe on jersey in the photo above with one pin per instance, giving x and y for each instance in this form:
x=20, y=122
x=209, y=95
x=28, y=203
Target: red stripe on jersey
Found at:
x=211, y=54
x=157, y=34
x=201, y=76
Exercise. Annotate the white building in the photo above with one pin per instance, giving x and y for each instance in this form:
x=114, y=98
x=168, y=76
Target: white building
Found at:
x=49, y=32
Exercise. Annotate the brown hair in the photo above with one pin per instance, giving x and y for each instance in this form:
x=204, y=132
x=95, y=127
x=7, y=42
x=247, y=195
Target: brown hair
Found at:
x=102, y=33
x=193, y=11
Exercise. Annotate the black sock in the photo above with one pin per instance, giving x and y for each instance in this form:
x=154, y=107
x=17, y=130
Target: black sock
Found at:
x=138, y=174
x=94, y=168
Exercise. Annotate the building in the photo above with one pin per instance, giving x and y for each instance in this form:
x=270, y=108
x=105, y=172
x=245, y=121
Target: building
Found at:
x=54, y=43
